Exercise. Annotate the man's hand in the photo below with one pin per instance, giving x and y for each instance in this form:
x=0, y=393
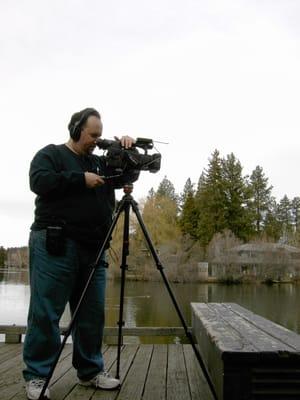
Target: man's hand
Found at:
x=126, y=141
x=93, y=180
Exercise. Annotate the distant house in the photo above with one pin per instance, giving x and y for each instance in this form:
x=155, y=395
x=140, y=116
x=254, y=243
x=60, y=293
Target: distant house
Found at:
x=17, y=257
x=258, y=260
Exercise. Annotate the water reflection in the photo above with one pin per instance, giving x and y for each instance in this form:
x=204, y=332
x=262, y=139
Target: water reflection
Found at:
x=15, y=277
x=149, y=304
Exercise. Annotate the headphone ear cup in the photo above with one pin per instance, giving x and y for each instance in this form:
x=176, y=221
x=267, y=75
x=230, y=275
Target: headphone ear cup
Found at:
x=75, y=132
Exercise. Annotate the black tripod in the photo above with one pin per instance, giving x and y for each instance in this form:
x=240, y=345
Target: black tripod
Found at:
x=124, y=205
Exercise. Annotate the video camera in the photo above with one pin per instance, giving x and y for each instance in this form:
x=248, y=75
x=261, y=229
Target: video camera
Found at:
x=120, y=158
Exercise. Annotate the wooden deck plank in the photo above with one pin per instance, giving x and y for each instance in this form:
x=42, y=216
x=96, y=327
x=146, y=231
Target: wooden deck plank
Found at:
x=214, y=326
x=64, y=377
x=64, y=364
x=7, y=347
x=127, y=357
x=64, y=385
x=147, y=372
x=177, y=381
x=10, y=370
x=246, y=329
x=198, y=385
x=277, y=331
x=11, y=351
x=155, y=387
x=133, y=385
x=15, y=390
x=81, y=392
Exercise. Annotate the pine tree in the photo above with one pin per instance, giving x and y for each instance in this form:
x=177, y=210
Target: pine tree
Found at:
x=261, y=197
x=200, y=185
x=188, y=190
x=3, y=256
x=189, y=216
x=296, y=213
x=284, y=215
x=210, y=201
x=239, y=219
x=167, y=189
x=272, y=226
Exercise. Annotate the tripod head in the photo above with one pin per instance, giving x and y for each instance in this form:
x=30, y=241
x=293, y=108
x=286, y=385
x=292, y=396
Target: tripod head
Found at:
x=128, y=188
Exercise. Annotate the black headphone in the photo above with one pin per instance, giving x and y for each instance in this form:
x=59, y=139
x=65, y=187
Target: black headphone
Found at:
x=75, y=129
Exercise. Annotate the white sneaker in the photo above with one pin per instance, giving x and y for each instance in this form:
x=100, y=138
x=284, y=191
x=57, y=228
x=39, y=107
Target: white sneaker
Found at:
x=102, y=381
x=34, y=388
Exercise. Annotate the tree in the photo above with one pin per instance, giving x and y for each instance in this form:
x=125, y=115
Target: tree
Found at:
x=160, y=214
x=295, y=209
x=237, y=198
x=210, y=201
x=189, y=216
x=284, y=215
x=188, y=191
x=167, y=189
x=3, y=256
x=160, y=217
x=272, y=226
x=261, y=196
x=201, y=182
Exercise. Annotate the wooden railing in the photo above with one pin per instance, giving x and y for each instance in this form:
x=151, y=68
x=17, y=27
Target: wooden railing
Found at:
x=13, y=333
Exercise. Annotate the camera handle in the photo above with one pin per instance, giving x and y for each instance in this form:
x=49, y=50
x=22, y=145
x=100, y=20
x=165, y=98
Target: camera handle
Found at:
x=125, y=204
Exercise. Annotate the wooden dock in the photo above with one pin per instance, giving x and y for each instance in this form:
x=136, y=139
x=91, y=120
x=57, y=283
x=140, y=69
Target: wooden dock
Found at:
x=246, y=356
x=148, y=372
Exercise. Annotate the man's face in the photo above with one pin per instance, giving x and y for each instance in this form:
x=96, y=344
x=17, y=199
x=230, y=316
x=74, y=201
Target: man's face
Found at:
x=91, y=131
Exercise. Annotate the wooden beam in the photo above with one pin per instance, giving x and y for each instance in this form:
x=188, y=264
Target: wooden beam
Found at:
x=13, y=333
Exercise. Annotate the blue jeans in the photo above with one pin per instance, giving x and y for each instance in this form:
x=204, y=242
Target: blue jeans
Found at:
x=55, y=281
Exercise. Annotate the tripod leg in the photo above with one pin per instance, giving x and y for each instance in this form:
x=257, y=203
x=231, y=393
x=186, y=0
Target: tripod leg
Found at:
x=124, y=267
x=71, y=324
x=167, y=284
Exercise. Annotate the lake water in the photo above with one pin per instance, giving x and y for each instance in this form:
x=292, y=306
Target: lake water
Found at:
x=148, y=303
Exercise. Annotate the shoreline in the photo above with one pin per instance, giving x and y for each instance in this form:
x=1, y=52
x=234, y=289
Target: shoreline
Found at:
x=210, y=280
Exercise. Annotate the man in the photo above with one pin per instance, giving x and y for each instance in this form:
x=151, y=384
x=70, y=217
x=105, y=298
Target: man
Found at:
x=74, y=207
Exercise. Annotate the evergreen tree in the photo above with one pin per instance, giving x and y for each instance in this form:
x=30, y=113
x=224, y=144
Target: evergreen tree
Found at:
x=189, y=216
x=3, y=256
x=296, y=213
x=167, y=189
x=261, y=197
x=272, y=226
x=211, y=200
x=188, y=190
x=237, y=198
x=201, y=183
x=284, y=215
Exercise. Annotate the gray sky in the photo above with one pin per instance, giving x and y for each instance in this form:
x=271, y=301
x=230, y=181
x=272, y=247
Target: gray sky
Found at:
x=199, y=74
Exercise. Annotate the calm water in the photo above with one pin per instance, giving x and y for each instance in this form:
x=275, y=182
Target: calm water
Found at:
x=148, y=303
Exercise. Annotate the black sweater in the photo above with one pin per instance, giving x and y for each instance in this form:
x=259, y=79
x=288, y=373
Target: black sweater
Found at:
x=57, y=177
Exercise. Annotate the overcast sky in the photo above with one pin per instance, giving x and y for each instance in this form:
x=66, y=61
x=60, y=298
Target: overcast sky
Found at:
x=200, y=75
